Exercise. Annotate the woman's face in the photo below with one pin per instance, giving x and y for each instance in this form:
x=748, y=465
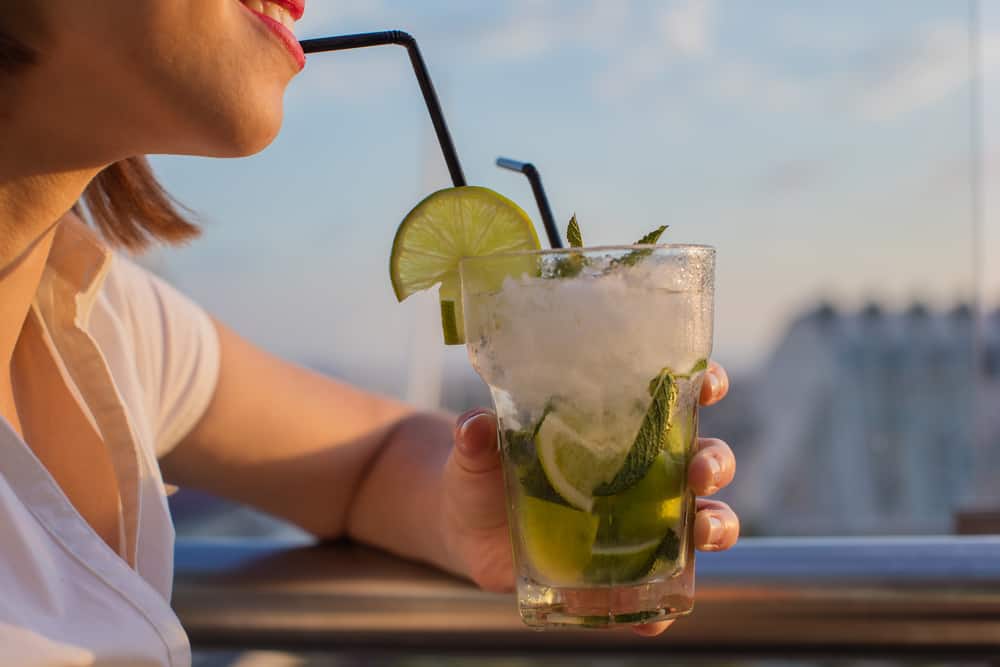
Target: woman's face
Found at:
x=125, y=77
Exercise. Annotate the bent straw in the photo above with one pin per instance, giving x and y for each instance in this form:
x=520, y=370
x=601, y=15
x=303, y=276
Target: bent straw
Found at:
x=406, y=40
x=398, y=37
x=541, y=199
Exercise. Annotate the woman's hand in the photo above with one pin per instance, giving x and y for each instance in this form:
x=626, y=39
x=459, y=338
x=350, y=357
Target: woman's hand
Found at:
x=475, y=517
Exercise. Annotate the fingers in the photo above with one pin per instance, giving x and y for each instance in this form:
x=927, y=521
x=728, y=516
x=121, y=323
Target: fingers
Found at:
x=716, y=526
x=651, y=629
x=476, y=442
x=473, y=483
x=712, y=467
x=715, y=384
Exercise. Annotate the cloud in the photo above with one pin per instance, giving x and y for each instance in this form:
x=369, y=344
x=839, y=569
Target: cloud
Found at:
x=681, y=31
x=636, y=66
x=793, y=176
x=767, y=89
x=934, y=64
x=797, y=31
x=324, y=17
x=356, y=78
x=688, y=28
x=878, y=82
x=539, y=27
x=520, y=39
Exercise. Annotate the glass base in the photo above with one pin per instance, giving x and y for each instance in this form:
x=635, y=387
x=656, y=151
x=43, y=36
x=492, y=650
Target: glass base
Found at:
x=603, y=607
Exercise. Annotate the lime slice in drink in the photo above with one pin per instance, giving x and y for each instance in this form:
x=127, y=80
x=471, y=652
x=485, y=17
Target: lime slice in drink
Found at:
x=610, y=565
x=646, y=511
x=574, y=465
x=447, y=226
x=557, y=539
x=632, y=524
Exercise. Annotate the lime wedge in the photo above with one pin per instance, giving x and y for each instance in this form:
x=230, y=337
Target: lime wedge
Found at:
x=632, y=525
x=610, y=565
x=557, y=539
x=450, y=224
x=645, y=512
x=573, y=465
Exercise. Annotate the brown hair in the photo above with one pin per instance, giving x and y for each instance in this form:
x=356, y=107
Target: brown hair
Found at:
x=131, y=208
x=124, y=201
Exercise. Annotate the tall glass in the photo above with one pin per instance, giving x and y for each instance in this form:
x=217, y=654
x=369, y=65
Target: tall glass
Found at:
x=595, y=358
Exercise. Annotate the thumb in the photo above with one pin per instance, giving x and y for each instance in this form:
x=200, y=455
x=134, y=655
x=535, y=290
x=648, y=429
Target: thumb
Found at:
x=476, y=442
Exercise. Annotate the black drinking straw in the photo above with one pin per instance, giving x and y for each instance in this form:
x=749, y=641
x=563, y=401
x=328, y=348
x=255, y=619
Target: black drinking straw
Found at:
x=362, y=40
x=541, y=199
x=401, y=38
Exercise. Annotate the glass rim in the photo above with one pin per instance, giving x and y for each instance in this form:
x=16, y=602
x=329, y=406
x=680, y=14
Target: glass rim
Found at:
x=543, y=252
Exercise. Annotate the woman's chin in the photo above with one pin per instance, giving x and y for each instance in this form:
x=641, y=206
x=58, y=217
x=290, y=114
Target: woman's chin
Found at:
x=241, y=136
x=252, y=139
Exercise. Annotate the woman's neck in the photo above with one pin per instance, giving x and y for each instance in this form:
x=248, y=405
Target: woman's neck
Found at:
x=18, y=284
x=30, y=209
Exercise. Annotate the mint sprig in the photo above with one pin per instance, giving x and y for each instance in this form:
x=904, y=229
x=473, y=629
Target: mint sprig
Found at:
x=633, y=257
x=521, y=450
x=572, y=263
x=653, y=236
x=573, y=234
x=650, y=439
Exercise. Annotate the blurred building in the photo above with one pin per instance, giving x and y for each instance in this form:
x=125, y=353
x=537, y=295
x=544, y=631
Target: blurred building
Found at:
x=868, y=422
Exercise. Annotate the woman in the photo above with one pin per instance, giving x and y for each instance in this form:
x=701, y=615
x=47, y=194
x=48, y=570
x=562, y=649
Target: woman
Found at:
x=112, y=383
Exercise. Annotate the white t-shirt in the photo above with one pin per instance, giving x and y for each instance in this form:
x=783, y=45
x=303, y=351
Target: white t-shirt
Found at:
x=142, y=362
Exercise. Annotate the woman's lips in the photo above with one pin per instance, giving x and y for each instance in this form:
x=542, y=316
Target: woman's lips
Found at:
x=286, y=36
x=295, y=7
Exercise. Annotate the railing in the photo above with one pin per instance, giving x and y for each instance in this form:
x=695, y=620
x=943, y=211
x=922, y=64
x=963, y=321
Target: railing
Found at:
x=819, y=596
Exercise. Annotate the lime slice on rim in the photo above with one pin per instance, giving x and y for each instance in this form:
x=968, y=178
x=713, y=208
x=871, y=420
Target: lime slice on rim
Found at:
x=448, y=225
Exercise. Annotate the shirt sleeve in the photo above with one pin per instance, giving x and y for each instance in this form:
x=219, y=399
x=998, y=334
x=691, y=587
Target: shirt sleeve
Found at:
x=176, y=350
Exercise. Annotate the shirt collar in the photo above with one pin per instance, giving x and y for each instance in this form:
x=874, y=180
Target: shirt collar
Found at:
x=80, y=260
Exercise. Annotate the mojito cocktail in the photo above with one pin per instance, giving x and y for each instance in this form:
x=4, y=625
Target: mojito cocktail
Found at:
x=594, y=358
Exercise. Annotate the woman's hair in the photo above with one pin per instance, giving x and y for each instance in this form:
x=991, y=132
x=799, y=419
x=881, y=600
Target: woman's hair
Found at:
x=124, y=201
x=131, y=208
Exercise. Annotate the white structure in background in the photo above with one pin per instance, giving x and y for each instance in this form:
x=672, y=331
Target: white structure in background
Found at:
x=867, y=423
x=424, y=375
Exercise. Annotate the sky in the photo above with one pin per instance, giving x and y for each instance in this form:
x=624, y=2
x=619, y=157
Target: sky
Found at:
x=823, y=148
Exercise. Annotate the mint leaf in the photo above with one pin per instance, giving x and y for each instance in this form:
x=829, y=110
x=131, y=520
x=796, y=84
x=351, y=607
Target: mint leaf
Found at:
x=699, y=366
x=633, y=257
x=653, y=236
x=650, y=439
x=680, y=427
x=573, y=234
x=520, y=447
x=568, y=266
x=535, y=484
x=667, y=553
x=521, y=442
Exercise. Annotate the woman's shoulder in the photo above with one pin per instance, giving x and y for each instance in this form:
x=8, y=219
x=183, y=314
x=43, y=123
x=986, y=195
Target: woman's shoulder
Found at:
x=160, y=342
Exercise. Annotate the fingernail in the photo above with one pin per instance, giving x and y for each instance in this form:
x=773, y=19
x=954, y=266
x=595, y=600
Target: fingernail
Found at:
x=466, y=417
x=714, y=384
x=463, y=431
x=715, y=529
x=716, y=468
